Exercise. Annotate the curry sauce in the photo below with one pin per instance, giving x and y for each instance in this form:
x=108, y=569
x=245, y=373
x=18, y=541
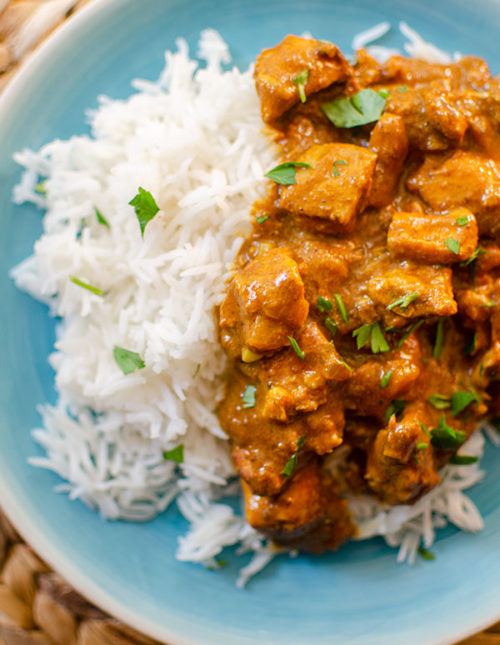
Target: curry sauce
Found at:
x=363, y=313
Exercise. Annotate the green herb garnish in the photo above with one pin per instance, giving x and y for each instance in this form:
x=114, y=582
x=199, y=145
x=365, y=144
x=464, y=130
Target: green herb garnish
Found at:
x=338, y=162
x=100, y=218
x=439, y=401
x=176, y=454
x=40, y=188
x=425, y=554
x=261, y=219
x=324, y=304
x=453, y=245
x=296, y=348
x=301, y=81
x=341, y=307
x=402, y=88
x=463, y=460
x=291, y=464
x=409, y=332
x=470, y=346
x=362, y=108
x=374, y=333
x=198, y=365
x=422, y=445
x=331, y=325
x=395, y=407
x=384, y=93
x=438, y=342
x=86, y=285
x=284, y=173
x=384, y=381
x=248, y=396
x=145, y=207
x=404, y=301
x=471, y=263
x=127, y=360
x=460, y=400
x=462, y=221
x=446, y=438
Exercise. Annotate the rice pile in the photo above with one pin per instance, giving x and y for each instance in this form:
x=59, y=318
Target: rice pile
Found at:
x=193, y=139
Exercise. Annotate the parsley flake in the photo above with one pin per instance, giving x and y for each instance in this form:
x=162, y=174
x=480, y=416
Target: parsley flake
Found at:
x=445, y=437
x=100, y=218
x=462, y=221
x=301, y=81
x=291, y=464
x=395, y=407
x=463, y=460
x=374, y=333
x=176, y=454
x=422, y=445
x=460, y=400
x=86, y=285
x=324, y=304
x=284, y=173
x=145, y=207
x=453, y=245
x=338, y=162
x=404, y=301
x=296, y=348
x=248, y=396
x=384, y=93
x=341, y=307
x=384, y=381
x=348, y=112
x=261, y=219
x=331, y=325
x=127, y=360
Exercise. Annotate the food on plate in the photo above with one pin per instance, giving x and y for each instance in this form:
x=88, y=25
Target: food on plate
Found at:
x=362, y=317
x=145, y=218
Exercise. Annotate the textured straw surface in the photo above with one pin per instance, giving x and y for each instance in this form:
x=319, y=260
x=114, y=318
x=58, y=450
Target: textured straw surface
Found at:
x=37, y=607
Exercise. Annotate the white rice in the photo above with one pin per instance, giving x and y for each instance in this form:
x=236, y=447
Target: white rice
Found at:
x=193, y=139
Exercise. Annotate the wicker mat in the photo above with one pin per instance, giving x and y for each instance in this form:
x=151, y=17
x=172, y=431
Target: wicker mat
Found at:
x=37, y=607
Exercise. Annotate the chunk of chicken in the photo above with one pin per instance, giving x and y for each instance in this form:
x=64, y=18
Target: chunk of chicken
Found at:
x=264, y=305
x=443, y=239
x=336, y=186
x=466, y=180
x=390, y=143
x=308, y=513
x=318, y=62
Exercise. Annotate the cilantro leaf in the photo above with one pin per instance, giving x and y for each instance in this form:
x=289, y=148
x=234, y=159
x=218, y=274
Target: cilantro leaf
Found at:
x=374, y=333
x=291, y=464
x=284, y=173
x=261, y=219
x=404, y=301
x=248, y=396
x=301, y=81
x=324, y=304
x=453, y=245
x=296, y=348
x=348, y=112
x=422, y=445
x=176, y=454
x=439, y=401
x=463, y=460
x=338, y=162
x=462, y=221
x=331, y=325
x=385, y=380
x=100, y=218
x=86, y=285
x=395, y=407
x=127, y=361
x=145, y=207
x=341, y=307
x=460, y=400
x=445, y=437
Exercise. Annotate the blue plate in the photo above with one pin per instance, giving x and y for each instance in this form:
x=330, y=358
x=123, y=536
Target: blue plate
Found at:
x=358, y=596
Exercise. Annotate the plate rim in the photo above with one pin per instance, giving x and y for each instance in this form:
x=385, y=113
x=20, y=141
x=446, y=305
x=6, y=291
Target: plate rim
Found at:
x=21, y=520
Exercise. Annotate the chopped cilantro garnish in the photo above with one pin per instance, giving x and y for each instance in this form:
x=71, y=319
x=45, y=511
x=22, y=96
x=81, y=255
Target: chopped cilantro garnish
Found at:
x=341, y=307
x=424, y=429
x=374, y=333
x=324, y=304
x=100, y=217
x=462, y=221
x=145, y=207
x=127, y=360
x=261, y=219
x=471, y=263
x=176, y=454
x=284, y=173
x=460, y=400
x=438, y=342
x=248, y=396
x=86, y=285
x=425, y=554
x=463, y=460
x=409, y=333
x=439, y=401
x=291, y=464
x=338, y=162
x=395, y=407
x=331, y=325
x=453, y=245
x=446, y=438
x=384, y=381
x=404, y=301
x=362, y=108
x=422, y=445
x=296, y=348
x=301, y=81
x=384, y=93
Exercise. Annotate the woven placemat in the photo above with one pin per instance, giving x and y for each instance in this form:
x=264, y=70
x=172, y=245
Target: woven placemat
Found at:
x=37, y=607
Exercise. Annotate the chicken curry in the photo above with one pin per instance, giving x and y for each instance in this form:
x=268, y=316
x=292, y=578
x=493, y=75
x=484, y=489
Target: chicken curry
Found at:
x=362, y=314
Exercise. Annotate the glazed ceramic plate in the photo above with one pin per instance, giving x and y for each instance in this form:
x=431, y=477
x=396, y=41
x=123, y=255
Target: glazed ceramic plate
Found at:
x=358, y=596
